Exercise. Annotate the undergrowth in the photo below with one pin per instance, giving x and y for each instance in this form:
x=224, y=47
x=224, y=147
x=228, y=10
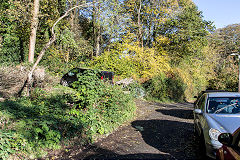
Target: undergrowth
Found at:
x=31, y=125
x=165, y=89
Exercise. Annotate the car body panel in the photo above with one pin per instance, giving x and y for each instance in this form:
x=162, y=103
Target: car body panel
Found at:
x=227, y=122
x=71, y=76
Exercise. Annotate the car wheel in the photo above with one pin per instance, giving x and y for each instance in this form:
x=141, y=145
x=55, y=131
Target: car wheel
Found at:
x=65, y=83
x=202, y=147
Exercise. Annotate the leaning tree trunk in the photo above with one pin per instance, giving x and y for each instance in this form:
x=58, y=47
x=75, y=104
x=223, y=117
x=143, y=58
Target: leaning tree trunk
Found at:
x=29, y=80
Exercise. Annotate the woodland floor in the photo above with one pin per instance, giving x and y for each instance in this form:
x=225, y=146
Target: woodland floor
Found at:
x=160, y=131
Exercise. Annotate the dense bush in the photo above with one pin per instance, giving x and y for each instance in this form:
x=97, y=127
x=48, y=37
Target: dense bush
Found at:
x=226, y=75
x=44, y=120
x=105, y=106
x=165, y=88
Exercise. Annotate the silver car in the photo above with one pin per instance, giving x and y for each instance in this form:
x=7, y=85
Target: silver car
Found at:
x=216, y=113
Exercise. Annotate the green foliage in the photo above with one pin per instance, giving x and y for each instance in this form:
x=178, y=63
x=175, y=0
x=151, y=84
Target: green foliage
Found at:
x=226, y=40
x=128, y=59
x=10, y=143
x=162, y=43
x=44, y=119
x=10, y=45
x=111, y=61
x=176, y=89
x=225, y=76
x=165, y=88
x=156, y=87
x=138, y=39
x=40, y=120
x=68, y=52
x=89, y=88
x=186, y=32
x=223, y=42
x=195, y=74
x=14, y=30
x=101, y=106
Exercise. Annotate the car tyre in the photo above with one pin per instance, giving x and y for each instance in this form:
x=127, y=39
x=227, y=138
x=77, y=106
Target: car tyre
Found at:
x=64, y=83
x=202, y=147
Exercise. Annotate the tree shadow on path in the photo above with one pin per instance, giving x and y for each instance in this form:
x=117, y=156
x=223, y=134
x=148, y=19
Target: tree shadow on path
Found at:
x=180, y=113
x=173, y=137
x=173, y=140
x=100, y=153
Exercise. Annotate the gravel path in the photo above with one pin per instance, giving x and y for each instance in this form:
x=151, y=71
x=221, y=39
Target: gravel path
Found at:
x=160, y=131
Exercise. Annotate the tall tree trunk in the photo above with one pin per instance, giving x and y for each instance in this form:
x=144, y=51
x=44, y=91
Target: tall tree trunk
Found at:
x=140, y=36
x=98, y=40
x=34, y=25
x=150, y=26
x=96, y=28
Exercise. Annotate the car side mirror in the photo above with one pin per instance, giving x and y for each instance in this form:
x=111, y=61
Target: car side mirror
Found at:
x=225, y=138
x=198, y=111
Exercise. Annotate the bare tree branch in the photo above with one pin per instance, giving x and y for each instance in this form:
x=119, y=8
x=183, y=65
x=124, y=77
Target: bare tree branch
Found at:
x=29, y=80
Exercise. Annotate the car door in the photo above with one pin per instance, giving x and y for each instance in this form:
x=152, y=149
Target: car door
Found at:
x=199, y=118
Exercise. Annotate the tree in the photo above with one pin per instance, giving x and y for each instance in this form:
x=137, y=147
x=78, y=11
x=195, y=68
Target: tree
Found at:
x=186, y=32
x=34, y=25
x=223, y=42
x=14, y=29
x=146, y=16
x=29, y=80
x=226, y=40
x=96, y=27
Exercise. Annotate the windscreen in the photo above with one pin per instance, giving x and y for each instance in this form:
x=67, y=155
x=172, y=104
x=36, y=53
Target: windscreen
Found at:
x=224, y=105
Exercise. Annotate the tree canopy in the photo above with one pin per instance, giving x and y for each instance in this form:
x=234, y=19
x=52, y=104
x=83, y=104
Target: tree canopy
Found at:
x=133, y=38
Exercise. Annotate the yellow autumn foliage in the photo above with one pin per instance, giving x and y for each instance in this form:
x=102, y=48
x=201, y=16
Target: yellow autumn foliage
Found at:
x=129, y=59
x=196, y=73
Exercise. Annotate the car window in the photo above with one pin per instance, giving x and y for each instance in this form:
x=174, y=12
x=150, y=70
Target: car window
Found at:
x=73, y=72
x=201, y=102
x=224, y=105
x=197, y=102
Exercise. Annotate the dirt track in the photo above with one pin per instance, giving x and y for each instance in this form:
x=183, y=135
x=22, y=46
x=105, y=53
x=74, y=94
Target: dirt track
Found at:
x=160, y=132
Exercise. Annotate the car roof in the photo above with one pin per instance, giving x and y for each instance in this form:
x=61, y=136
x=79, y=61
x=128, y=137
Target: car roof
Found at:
x=223, y=94
x=91, y=69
